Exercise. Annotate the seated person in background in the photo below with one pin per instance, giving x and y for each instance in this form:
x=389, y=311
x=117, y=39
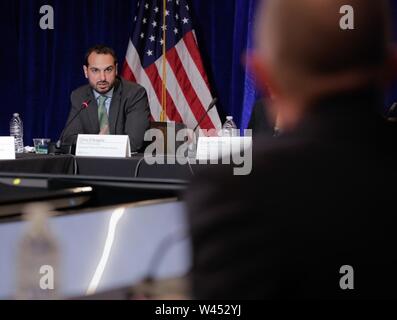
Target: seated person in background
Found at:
x=112, y=105
x=312, y=220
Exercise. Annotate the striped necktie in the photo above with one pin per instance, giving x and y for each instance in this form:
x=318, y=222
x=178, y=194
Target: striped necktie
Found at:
x=103, y=115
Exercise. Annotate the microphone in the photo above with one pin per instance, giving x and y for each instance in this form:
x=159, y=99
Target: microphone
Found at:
x=211, y=105
x=84, y=106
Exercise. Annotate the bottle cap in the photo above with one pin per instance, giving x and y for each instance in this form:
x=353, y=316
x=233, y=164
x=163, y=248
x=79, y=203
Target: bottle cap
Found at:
x=229, y=118
x=16, y=115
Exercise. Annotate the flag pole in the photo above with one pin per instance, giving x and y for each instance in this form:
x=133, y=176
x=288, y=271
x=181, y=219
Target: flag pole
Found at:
x=164, y=88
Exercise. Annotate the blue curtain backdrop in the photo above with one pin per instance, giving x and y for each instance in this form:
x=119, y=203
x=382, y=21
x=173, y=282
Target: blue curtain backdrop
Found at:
x=41, y=67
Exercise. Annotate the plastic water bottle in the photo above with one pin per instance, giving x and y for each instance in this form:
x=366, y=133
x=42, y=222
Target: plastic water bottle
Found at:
x=38, y=258
x=16, y=131
x=229, y=128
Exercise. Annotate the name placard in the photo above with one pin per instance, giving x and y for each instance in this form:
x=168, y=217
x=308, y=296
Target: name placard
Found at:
x=103, y=146
x=7, y=148
x=213, y=148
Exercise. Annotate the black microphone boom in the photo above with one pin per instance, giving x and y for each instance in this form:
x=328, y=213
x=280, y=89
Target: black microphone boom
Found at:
x=84, y=105
x=211, y=105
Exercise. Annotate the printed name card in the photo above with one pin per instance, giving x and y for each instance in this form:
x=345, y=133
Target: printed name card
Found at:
x=7, y=148
x=213, y=148
x=103, y=146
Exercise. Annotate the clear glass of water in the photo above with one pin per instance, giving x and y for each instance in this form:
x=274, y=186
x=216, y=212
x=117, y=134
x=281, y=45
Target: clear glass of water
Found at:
x=41, y=145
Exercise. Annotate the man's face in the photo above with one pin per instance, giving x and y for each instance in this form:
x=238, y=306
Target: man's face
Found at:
x=101, y=72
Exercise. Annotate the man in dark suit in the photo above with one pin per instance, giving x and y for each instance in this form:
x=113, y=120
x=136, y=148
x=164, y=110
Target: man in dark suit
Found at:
x=312, y=220
x=112, y=105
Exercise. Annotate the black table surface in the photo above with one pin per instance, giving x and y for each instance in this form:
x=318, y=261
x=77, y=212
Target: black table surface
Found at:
x=41, y=164
x=133, y=167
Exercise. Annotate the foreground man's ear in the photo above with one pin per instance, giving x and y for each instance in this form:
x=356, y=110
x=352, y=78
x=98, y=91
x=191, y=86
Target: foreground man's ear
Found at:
x=257, y=67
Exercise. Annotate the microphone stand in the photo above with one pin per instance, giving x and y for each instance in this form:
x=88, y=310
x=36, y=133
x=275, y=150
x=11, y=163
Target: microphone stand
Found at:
x=192, y=145
x=58, y=148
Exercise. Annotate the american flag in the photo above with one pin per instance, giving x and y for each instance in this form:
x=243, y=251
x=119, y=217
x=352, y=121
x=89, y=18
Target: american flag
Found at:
x=176, y=81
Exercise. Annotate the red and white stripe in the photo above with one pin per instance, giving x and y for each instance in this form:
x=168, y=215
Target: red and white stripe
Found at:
x=188, y=91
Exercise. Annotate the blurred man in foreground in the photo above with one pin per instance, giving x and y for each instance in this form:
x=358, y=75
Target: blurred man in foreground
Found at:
x=312, y=219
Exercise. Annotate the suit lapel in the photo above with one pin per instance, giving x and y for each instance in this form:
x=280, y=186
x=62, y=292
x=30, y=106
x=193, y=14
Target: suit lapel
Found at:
x=93, y=111
x=115, y=106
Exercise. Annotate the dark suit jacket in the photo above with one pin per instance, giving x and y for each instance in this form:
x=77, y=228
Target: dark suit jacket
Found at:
x=316, y=200
x=128, y=114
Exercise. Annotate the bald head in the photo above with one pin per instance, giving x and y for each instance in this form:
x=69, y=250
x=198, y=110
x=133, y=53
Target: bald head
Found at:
x=303, y=39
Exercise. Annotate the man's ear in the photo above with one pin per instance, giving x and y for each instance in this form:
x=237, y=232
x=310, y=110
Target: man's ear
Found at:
x=117, y=69
x=85, y=71
x=257, y=67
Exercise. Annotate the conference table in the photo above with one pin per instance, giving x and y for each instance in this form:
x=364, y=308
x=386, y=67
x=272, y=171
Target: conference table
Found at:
x=88, y=194
x=106, y=249
x=152, y=240
x=112, y=180
x=40, y=164
x=133, y=167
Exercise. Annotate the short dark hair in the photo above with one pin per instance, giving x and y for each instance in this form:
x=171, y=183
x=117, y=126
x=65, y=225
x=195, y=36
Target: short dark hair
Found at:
x=100, y=49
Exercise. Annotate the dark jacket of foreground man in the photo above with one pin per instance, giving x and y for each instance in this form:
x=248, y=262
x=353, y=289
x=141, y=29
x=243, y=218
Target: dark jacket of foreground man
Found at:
x=318, y=199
